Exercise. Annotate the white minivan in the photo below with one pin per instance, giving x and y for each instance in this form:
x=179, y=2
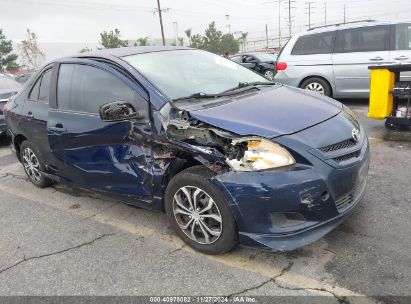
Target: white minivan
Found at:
x=334, y=60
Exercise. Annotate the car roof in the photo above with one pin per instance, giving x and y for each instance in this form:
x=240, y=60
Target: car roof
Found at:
x=348, y=25
x=128, y=51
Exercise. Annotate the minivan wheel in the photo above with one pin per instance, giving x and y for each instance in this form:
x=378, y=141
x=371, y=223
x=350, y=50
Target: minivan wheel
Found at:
x=33, y=165
x=317, y=85
x=269, y=74
x=199, y=213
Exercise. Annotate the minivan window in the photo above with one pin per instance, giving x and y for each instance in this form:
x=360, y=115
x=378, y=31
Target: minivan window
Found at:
x=403, y=37
x=321, y=43
x=364, y=39
x=83, y=88
x=45, y=87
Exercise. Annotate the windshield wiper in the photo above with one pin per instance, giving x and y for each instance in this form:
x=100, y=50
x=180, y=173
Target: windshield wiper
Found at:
x=242, y=85
x=199, y=95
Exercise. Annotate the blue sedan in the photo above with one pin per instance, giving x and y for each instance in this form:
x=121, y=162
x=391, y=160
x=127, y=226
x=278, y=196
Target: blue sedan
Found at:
x=228, y=155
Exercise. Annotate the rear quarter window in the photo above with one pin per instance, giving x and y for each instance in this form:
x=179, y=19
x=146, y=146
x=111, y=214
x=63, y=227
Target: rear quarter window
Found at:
x=403, y=36
x=321, y=43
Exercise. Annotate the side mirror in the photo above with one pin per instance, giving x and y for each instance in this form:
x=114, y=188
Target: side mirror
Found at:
x=119, y=110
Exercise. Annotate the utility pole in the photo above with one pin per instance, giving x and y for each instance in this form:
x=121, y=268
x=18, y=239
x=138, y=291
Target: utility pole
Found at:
x=279, y=24
x=309, y=13
x=266, y=37
x=344, y=14
x=325, y=13
x=289, y=17
x=161, y=22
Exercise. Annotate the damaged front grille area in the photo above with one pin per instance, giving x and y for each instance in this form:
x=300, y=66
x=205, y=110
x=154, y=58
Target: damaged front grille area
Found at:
x=339, y=146
x=347, y=200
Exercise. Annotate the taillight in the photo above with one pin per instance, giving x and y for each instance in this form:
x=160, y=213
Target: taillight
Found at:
x=281, y=66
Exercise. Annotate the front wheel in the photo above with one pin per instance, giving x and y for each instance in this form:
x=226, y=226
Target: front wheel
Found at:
x=199, y=213
x=317, y=85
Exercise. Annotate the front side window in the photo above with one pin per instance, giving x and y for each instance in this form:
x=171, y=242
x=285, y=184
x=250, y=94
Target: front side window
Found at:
x=321, y=43
x=181, y=73
x=403, y=36
x=84, y=88
x=364, y=39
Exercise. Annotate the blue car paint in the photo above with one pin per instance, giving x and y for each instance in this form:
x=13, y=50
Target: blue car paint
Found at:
x=270, y=113
x=133, y=162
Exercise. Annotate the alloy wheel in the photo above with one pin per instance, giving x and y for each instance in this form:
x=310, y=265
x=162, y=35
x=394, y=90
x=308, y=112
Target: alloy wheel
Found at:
x=315, y=87
x=197, y=215
x=31, y=165
x=269, y=75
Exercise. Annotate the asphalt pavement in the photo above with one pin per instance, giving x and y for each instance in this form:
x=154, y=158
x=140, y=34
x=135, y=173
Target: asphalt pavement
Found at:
x=66, y=241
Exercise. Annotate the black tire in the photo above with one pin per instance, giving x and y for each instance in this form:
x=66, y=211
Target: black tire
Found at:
x=42, y=180
x=317, y=80
x=199, y=177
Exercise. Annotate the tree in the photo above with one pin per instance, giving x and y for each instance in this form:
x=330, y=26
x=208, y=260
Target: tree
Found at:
x=243, y=40
x=180, y=41
x=143, y=41
x=212, y=39
x=7, y=58
x=229, y=44
x=85, y=50
x=31, y=55
x=197, y=41
x=111, y=40
x=188, y=33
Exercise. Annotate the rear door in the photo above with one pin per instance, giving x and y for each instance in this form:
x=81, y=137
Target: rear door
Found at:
x=113, y=157
x=355, y=50
x=401, y=51
x=35, y=114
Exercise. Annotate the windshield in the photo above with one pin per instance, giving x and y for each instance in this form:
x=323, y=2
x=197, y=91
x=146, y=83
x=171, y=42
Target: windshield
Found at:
x=264, y=57
x=182, y=73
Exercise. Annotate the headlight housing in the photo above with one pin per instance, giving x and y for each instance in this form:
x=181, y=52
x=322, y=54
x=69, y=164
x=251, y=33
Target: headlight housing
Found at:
x=351, y=115
x=259, y=154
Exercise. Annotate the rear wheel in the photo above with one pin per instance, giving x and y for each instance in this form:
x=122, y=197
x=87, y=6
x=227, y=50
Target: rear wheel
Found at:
x=199, y=213
x=33, y=165
x=318, y=85
x=269, y=74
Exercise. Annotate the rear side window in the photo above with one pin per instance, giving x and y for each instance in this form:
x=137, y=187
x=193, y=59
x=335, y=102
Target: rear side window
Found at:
x=41, y=89
x=321, y=43
x=236, y=59
x=403, y=37
x=364, y=39
x=34, y=93
x=83, y=88
x=44, y=90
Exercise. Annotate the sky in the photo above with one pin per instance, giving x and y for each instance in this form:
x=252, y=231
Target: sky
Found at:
x=80, y=21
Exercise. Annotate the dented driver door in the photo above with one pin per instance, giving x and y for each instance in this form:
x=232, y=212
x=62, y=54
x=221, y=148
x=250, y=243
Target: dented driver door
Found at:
x=110, y=156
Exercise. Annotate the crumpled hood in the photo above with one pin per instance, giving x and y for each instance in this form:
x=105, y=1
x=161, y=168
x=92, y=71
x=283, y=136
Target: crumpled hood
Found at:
x=270, y=113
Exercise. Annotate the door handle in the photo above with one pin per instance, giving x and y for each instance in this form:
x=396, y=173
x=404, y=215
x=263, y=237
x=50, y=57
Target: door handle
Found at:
x=401, y=58
x=378, y=58
x=58, y=129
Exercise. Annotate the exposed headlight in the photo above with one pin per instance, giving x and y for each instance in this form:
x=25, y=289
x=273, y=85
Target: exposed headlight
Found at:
x=259, y=154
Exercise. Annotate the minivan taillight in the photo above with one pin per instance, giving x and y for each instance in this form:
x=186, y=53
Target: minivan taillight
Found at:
x=281, y=66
